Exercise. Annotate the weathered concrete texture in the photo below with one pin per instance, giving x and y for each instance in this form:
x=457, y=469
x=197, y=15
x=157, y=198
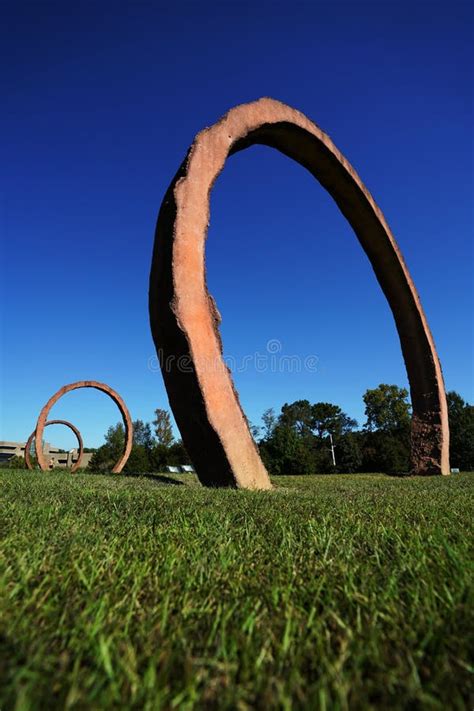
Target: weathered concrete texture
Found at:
x=76, y=466
x=127, y=421
x=185, y=320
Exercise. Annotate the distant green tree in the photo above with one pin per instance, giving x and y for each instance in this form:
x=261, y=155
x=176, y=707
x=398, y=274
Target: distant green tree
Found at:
x=349, y=453
x=330, y=419
x=142, y=434
x=461, y=426
x=269, y=420
x=385, y=452
x=386, y=442
x=387, y=408
x=159, y=457
x=138, y=461
x=322, y=459
x=300, y=436
x=115, y=438
x=286, y=452
x=163, y=428
x=106, y=456
x=101, y=460
x=297, y=416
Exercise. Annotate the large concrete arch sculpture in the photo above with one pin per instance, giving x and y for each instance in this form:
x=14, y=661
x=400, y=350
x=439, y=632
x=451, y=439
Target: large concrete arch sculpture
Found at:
x=127, y=421
x=185, y=320
x=76, y=466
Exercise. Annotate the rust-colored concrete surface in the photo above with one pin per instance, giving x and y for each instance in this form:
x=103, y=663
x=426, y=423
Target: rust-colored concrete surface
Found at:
x=185, y=320
x=127, y=421
x=76, y=466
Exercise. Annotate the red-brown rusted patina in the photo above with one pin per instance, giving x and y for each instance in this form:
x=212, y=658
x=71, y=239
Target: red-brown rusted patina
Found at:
x=127, y=422
x=185, y=320
x=76, y=466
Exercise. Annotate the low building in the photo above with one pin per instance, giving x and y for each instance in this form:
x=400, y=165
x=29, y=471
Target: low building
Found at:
x=55, y=456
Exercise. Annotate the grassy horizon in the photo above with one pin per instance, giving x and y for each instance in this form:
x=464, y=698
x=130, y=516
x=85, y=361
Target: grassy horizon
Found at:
x=330, y=592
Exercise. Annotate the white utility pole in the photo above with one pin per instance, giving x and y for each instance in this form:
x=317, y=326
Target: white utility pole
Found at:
x=332, y=451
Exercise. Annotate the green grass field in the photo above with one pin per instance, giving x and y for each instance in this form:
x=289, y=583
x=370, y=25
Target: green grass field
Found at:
x=331, y=592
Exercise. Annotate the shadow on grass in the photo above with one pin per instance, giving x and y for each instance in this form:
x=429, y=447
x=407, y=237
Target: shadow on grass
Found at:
x=159, y=478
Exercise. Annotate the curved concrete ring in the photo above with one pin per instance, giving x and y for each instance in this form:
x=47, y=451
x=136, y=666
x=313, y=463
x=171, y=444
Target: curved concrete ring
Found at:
x=127, y=422
x=57, y=422
x=185, y=321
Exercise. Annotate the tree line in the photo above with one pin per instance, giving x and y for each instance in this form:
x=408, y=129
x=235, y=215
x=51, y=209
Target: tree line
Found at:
x=304, y=438
x=320, y=438
x=308, y=438
x=154, y=447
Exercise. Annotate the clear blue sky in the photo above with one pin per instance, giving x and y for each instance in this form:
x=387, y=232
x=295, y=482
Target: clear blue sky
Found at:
x=100, y=102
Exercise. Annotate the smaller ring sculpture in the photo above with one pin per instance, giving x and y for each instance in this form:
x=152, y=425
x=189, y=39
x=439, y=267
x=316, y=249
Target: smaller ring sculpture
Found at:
x=56, y=422
x=127, y=421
